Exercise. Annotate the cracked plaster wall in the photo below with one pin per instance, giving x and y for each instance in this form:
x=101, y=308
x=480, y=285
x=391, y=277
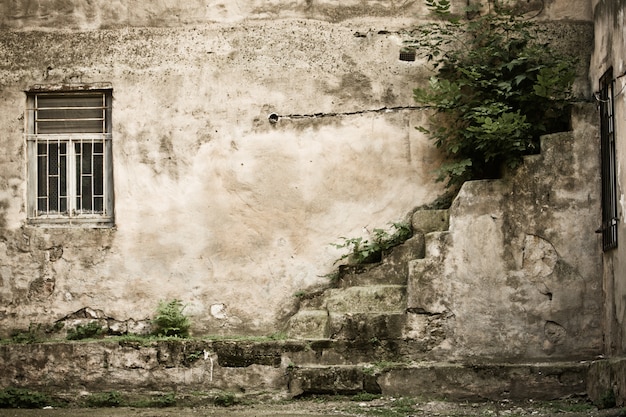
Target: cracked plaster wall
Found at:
x=214, y=205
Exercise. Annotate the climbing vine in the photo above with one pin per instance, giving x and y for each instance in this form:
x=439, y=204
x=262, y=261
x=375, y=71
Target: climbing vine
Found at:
x=496, y=89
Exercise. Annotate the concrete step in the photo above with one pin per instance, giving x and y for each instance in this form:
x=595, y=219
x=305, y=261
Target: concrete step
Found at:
x=387, y=299
x=428, y=221
x=308, y=324
x=393, y=269
x=453, y=381
x=287, y=367
x=370, y=327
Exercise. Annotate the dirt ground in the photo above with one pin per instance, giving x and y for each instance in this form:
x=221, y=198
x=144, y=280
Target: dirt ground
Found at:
x=381, y=407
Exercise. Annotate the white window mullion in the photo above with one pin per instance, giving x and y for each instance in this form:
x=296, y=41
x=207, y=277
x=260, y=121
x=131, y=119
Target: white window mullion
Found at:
x=71, y=179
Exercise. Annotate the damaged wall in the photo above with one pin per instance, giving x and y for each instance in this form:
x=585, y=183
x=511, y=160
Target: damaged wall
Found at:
x=215, y=205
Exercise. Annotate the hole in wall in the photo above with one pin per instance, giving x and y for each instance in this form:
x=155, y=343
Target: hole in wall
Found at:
x=407, y=54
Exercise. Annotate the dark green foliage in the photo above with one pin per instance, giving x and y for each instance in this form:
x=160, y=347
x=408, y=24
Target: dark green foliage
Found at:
x=607, y=400
x=36, y=332
x=87, y=331
x=23, y=398
x=105, y=399
x=496, y=90
x=170, y=320
x=225, y=400
x=159, y=401
x=29, y=336
x=370, y=250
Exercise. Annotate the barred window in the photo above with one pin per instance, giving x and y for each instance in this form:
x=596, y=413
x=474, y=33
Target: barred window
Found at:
x=69, y=153
x=610, y=216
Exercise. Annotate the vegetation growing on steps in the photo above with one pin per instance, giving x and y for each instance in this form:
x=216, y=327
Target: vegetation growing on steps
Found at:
x=497, y=88
x=366, y=250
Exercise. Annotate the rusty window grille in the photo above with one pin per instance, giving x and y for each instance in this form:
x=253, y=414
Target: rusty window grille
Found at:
x=607, y=148
x=69, y=148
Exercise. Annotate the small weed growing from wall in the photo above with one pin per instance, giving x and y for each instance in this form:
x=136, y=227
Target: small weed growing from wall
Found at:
x=497, y=88
x=36, y=333
x=170, y=320
x=361, y=250
x=87, y=331
x=159, y=401
x=226, y=399
x=23, y=398
x=105, y=399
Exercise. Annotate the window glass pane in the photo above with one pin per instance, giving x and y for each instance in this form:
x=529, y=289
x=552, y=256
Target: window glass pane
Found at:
x=70, y=114
x=70, y=126
x=77, y=100
x=98, y=175
x=84, y=176
x=43, y=115
x=98, y=204
x=86, y=194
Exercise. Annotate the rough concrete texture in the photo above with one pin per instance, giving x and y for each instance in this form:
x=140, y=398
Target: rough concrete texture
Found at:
x=606, y=385
x=519, y=279
x=52, y=14
x=274, y=369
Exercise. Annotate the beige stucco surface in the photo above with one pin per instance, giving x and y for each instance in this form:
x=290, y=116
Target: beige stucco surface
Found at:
x=214, y=205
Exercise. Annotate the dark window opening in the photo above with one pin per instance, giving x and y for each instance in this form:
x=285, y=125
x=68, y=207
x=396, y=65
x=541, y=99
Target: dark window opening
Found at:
x=407, y=54
x=609, y=174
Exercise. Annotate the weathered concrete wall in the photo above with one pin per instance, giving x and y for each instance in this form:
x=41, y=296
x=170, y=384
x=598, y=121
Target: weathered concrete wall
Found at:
x=199, y=370
x=53, y=14
x=215, y=205
x=609, y=52
x=518, y=274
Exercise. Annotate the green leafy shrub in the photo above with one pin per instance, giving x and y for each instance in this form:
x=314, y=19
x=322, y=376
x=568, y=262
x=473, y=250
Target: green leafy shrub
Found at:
x=23, y=398
x=105, y=399
x=226, y=399
x=87, y=331
x=497, y=88
x=25, y=337
x=35, y=333
x=159, y=401
x=370, y=250
x=170, y=320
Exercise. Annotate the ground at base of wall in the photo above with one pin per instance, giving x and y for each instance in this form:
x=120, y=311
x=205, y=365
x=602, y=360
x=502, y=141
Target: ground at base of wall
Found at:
x=340, y=406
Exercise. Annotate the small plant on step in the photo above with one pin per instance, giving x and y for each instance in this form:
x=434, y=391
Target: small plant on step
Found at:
x=497, y=87
x=87, y=331
x=170, y=320
x=370, y=250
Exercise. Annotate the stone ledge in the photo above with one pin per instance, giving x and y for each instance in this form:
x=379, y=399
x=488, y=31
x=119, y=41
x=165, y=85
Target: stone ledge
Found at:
x=280, y=368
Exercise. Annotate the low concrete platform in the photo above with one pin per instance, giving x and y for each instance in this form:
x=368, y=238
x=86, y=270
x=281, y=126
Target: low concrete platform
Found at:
x=288, y=369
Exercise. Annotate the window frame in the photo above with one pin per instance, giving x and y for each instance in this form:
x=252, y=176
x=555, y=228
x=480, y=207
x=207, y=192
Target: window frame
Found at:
x=73, y=216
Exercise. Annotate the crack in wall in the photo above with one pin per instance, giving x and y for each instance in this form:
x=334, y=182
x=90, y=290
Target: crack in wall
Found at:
x=274, y=117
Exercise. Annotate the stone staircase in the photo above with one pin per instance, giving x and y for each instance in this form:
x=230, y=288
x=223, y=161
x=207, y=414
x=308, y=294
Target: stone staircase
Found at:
x=369, y=301
x=485, y=300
